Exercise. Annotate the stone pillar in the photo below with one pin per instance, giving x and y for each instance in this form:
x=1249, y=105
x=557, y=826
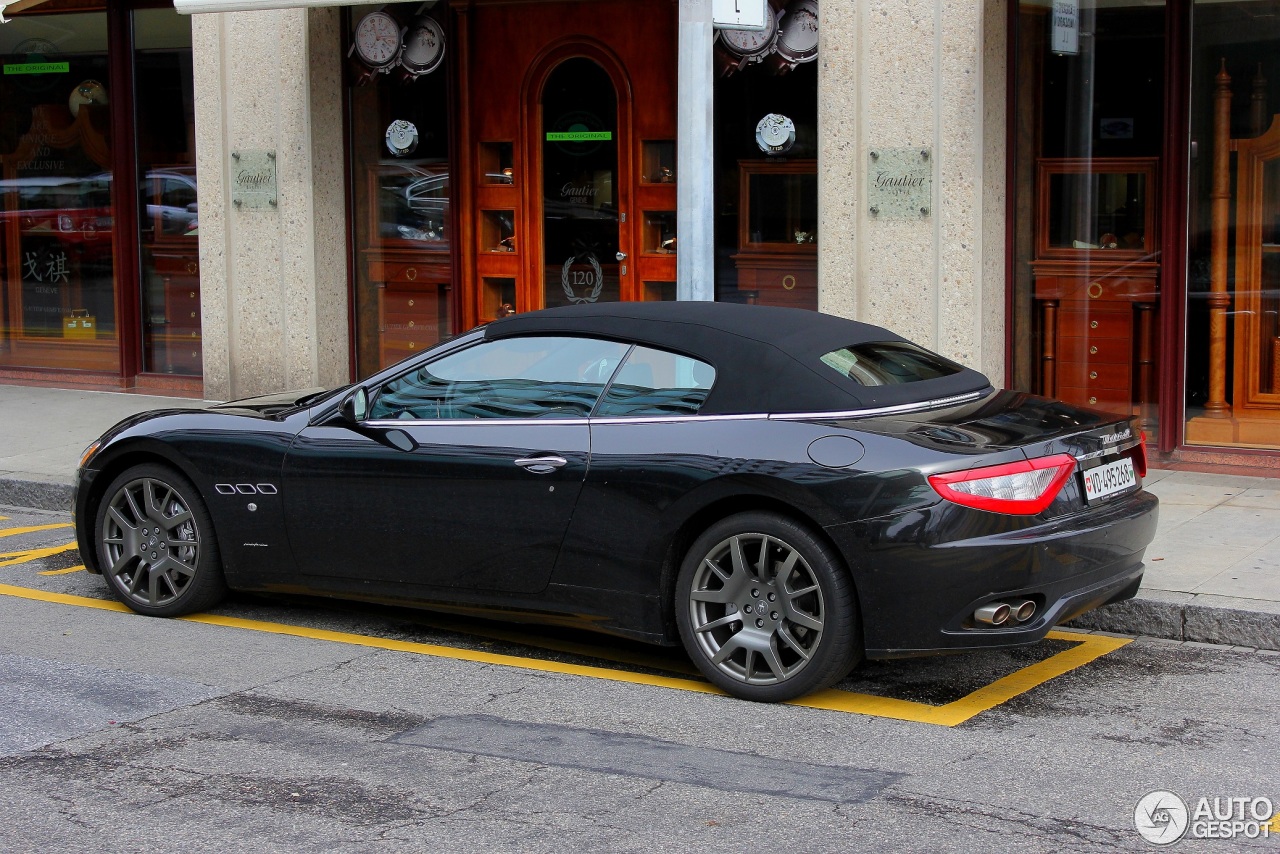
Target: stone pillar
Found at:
x=927, y=74
x=695, y=185
x=273, y=282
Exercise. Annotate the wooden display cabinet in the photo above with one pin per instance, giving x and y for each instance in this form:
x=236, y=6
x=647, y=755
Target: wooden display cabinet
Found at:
x=175, y=333
x=777, y=255
x=170, y=248
x=407, y=260
x=1097, y=281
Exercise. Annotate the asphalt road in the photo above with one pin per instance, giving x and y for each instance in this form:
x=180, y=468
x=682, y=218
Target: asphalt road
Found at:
x=307, y=725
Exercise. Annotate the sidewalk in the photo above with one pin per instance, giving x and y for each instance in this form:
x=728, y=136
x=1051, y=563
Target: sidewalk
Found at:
x=1213, y=572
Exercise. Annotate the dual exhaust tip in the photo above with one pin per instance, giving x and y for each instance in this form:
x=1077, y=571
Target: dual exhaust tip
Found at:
x=1003, y=613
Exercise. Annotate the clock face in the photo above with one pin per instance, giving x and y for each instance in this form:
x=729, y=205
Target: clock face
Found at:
x=423, y=46
x=378, y=39
x=752, y=42
x=798, y=36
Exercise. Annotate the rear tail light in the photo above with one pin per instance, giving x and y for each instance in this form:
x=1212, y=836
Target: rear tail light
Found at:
x=1025, y=488
x=1140, y=455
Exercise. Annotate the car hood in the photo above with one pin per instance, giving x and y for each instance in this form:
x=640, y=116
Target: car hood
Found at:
x=272, y=404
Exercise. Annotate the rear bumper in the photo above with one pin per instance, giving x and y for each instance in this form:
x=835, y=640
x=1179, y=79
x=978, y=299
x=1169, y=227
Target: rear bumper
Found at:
x=920, y=577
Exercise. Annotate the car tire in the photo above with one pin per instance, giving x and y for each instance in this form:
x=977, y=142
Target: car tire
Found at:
x=769, y=629
x=155, y=543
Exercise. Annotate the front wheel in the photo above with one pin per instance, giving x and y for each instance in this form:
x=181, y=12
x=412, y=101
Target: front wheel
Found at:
x=766, y=610
x=155, y=544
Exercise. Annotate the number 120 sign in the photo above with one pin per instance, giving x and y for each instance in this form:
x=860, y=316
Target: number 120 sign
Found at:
x=739, y=14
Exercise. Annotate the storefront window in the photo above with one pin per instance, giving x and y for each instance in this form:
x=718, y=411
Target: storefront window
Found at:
x=1233, y=254
x=399, y=171
x=766, y=175
x=167, y=204
x=1087, y=232
x=57, y=245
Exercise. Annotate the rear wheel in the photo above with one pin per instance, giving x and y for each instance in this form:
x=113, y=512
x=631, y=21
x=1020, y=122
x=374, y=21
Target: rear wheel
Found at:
x=155, y=544
x=765, y=609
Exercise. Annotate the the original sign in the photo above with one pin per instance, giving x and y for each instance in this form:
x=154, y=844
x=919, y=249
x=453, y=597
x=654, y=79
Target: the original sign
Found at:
x=580, y=136
x=899, y=183
x=1065, y=38
x=253, y=179
x=37, y=67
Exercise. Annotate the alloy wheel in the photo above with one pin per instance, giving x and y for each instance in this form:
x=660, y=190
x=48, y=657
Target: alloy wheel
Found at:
x=756, y=609
x=151, y=542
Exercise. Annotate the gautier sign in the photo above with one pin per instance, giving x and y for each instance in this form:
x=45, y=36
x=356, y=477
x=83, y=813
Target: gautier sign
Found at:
x=253, y=179
x=899, y=183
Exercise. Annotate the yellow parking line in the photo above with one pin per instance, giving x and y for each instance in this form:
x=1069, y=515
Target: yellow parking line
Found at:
x=13, y=532
x=653, y=662
x=28, y=555
x=62, y=598
x=1086, y=649
x=377, y=643
x=69, y=569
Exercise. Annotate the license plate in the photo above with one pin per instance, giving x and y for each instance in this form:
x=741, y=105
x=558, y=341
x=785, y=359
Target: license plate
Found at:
x=1101, y=481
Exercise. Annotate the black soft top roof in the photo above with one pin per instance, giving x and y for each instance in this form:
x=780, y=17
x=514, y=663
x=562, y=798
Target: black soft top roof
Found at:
x=767, y=359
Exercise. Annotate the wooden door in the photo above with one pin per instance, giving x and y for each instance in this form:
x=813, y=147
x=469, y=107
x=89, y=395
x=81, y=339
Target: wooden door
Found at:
x=567, y=139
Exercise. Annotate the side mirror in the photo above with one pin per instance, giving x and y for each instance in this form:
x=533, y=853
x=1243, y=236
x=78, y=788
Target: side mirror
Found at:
x=355, y=406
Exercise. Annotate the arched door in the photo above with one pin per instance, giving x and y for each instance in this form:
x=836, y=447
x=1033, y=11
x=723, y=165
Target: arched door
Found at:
x=567, y=184
x=581, y=210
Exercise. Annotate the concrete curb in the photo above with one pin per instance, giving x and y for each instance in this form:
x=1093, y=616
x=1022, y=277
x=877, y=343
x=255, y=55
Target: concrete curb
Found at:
x=1158, y=614
x=1186, y=621
x=38, y=494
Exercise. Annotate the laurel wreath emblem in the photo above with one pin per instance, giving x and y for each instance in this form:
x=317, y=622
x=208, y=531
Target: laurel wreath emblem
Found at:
x=568, y=288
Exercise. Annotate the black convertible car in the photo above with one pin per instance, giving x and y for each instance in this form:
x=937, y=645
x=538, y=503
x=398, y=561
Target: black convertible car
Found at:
x=781, y=491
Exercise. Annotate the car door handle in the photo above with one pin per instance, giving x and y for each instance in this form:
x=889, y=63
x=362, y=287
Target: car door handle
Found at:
x=541, y=465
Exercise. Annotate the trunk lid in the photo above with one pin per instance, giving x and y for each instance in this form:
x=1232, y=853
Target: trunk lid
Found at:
x=1035, y=426
x=1006, y=420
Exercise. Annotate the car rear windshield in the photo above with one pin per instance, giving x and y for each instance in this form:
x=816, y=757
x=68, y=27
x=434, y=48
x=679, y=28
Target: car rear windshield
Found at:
x=888, y=363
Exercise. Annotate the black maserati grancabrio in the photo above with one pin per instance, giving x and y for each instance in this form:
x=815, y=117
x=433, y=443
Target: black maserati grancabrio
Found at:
x=783, y=492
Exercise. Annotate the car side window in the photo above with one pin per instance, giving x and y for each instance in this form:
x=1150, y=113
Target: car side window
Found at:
x=655, y=382
x=530, y=377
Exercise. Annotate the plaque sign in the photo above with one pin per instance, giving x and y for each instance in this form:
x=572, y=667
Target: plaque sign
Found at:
x=253, y=179
x=1065, y=38
x=899, y=183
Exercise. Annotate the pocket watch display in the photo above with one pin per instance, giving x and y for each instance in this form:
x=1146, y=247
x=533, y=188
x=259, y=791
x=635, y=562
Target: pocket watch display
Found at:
x=736, y=49
x=378, y=41
x=423, y=47
x=775, y=134
x=402, y=137
x=797, y=35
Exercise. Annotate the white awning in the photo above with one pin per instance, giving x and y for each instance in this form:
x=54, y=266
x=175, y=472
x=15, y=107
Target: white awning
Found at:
x=194, y=7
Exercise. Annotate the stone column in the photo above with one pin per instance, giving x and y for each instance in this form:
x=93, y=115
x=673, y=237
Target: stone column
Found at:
x=273, y=282
x=926, y=74
x=695, y=186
